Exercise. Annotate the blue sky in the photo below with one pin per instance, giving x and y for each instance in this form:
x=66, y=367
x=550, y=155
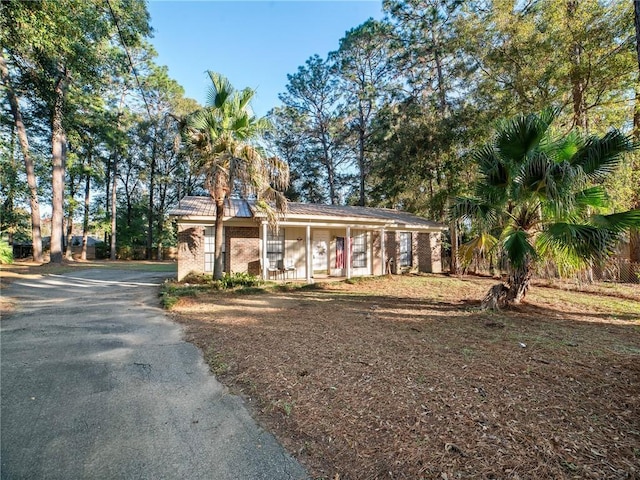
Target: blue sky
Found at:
x=253, y=43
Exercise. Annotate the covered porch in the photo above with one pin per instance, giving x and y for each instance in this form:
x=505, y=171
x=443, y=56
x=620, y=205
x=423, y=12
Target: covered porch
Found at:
x=306, y=252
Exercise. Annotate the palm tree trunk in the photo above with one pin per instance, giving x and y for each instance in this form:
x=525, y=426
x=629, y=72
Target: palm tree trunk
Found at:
x=219, y=227
x=510, y=293
x=518, y=284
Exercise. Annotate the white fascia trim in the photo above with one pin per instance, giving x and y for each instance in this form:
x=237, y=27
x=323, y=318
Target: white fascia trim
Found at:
x=362, y=226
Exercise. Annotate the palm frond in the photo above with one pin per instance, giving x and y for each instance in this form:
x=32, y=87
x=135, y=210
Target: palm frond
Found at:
x=579, y=241
x=496, y=196
x=471, y=209
x=617, y=222
x=278, y=173
x=519, y=136
x=244, y=98
x=515, y=244
x=599, y=157
x=219, y=91
x=536, y=175
x=595, y=197
x=564, y=148
x=482, y=245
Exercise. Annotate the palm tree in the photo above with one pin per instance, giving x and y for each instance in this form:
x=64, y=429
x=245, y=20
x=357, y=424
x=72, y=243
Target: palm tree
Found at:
x=541, y=196
x=220, y=140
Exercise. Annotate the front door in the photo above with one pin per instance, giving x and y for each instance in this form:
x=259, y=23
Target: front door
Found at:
x=320, y=251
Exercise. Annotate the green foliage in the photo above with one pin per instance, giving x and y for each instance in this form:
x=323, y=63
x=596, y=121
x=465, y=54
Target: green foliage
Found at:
x=238, y=279
x=102, y=250
x=312, y=133
x=540, y=200
x=6, y=252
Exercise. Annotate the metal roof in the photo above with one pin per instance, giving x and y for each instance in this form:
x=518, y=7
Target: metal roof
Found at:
x=240, y=208
x=206, y=207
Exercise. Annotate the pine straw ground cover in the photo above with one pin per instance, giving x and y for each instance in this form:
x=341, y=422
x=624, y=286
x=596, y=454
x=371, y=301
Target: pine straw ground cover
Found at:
x=405, y=377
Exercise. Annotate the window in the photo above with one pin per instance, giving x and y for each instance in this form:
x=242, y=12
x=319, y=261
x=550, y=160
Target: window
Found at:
x=275, y=248
x=209, y=248
x=405, y=249
x=359, y=250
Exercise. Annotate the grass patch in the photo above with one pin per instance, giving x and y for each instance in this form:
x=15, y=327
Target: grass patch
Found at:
x=216, y=362
x=172, y=292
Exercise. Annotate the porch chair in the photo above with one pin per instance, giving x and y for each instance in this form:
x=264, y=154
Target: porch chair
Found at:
x=271, y=270
x=274, y=270
x=290, y=267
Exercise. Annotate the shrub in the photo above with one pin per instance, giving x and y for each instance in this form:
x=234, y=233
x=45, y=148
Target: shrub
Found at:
x=102, y=251
x=6, y=252
x=238, y=279
x=195, y=278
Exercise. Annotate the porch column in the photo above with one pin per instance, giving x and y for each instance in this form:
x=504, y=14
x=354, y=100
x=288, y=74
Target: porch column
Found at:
x=307, y=254
x=265, y=259
x=347, y=253
x=383, y=254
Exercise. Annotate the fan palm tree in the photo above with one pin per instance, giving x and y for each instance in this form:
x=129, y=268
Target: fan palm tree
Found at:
x=541, y=196
x=220, y=138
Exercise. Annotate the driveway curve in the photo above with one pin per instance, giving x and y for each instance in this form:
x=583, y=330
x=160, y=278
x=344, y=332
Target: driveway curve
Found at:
x=96, y=382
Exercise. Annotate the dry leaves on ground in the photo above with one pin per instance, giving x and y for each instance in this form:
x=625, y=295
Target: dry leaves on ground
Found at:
x=404, y=377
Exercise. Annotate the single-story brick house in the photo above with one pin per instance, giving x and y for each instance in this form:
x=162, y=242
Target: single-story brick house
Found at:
x=311, y=241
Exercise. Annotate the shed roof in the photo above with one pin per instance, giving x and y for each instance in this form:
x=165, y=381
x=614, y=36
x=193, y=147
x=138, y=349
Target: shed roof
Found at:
x=204, y=208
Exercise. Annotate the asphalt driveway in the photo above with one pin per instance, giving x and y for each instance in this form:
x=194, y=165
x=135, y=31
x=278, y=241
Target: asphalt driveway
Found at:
x=96, y=382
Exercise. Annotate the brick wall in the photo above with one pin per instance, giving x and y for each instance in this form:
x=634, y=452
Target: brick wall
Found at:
x=423, y=252
x=243, y=249
x=429, y=253
x=436, y=252
x=190, y=250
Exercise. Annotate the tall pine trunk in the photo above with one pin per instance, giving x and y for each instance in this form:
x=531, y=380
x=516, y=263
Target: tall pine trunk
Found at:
x=36, y=235
x=87, y=201
x=71, y=210
x=58, y=151
x=362, y=161
x=578, y=82
x=114, y=180
x=152, y=187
